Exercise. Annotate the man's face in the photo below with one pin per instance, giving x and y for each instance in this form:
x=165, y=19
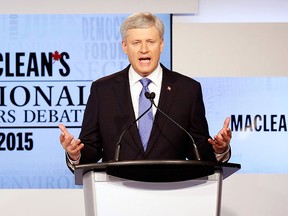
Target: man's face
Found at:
x=143, y=47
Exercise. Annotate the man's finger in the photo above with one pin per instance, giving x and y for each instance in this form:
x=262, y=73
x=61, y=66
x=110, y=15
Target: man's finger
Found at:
x=76, y=149
x=63, y=129
x=226, y=122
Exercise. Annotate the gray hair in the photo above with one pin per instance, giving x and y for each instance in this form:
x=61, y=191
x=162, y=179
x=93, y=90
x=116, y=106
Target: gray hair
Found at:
x=142, y=21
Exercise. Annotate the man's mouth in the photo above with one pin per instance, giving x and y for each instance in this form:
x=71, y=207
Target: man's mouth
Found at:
x=145, y=59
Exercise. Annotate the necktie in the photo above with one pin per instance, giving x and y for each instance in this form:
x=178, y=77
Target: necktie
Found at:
x=145, y=123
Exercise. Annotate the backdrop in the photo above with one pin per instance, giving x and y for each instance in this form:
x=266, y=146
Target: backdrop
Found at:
x=47, y=64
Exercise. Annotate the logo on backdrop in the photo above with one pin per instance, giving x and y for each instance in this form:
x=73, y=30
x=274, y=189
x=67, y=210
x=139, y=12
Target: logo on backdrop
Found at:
x=36, y=92
x=259, y=123
x=21, y=64
x=25, y=99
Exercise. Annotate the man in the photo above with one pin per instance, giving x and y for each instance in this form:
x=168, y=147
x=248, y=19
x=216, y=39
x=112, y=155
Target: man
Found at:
x=113, y=105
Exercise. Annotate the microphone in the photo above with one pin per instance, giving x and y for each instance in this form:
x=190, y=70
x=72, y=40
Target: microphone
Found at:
x=151, y=97
x=118, y=145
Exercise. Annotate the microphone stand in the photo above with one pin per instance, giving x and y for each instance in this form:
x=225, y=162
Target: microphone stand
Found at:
x=151, y=97
x=118, y=145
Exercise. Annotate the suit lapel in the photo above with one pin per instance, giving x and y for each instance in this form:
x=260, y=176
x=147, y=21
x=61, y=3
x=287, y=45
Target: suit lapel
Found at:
x=122, y=91
x=168, y=91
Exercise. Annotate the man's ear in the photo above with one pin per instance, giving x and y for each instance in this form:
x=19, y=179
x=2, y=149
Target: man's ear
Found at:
x=162, y=45
x=124, y=46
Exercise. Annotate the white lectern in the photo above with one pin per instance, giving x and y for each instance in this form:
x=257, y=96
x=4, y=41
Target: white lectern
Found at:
x=147, y=188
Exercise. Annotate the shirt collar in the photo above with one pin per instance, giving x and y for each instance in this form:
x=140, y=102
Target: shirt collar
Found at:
x=155, y=76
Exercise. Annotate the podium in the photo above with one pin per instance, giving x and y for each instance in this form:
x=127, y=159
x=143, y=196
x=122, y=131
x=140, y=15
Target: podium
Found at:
x=153, y=187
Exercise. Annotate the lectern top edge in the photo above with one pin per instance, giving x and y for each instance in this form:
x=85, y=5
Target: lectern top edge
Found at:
x=157, y=170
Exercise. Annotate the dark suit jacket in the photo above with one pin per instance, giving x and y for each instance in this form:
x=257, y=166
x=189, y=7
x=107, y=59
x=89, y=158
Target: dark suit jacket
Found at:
x=109, y=112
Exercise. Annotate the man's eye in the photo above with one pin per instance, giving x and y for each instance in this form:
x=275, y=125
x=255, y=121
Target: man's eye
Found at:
x=135, y=43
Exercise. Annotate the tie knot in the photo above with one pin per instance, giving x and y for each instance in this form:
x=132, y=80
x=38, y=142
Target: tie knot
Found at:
x=145, y=82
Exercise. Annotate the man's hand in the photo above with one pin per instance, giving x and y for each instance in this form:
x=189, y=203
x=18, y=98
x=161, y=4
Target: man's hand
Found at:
x=222, y=139
x=72, y=146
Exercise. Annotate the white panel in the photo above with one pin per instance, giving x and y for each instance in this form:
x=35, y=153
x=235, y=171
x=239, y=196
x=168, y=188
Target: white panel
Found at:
x=42, y=202
x=254, y=194
x=98, y=6
x=228, y=11
x=227, y=49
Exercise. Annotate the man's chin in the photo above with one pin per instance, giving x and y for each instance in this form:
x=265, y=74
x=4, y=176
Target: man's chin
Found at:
x=145, y=73
x=145, y=70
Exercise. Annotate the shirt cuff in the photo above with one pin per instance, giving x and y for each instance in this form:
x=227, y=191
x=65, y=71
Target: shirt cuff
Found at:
x=225, y=156
x=72, y=162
